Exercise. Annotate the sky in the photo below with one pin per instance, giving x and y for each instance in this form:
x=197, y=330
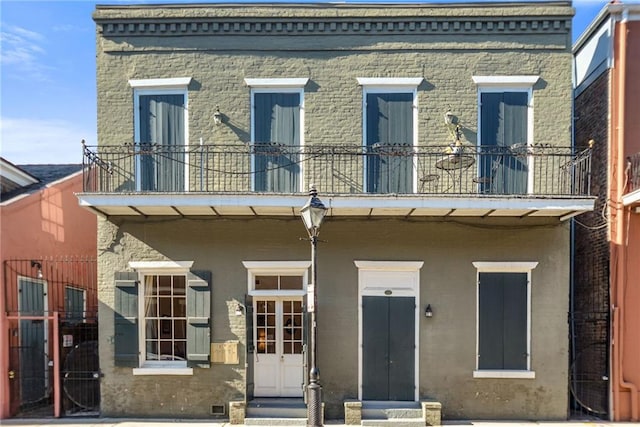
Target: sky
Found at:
x=47, y=76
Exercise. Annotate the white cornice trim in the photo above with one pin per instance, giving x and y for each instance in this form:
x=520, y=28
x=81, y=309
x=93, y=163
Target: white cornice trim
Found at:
x=277, y=82
x=390, y=81
x=170, y=83
x=505, y=80
x=144, y=266
x=389, y=265
x=497, y=267
x=276, y=265
x=17, y=175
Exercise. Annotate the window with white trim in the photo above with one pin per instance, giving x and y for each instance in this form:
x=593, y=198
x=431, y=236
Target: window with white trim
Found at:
x=505, y=124
x=390, y=133
x=162, y=318
x=161, y=133
x=165, y=317
x=277, y=129
x=504, y=319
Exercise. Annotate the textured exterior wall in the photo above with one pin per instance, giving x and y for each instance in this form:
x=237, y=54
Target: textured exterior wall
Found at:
x=218, y=64
x=45, y=224
x=303, y=42
x=448, y=283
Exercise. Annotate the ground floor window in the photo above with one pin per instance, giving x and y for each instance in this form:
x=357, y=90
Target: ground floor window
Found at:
x=503, y=319
x=165, y=317
x=162, y=312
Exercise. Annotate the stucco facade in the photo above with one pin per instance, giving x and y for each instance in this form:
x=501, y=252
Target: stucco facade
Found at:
x=41, y=221
x=223, y=55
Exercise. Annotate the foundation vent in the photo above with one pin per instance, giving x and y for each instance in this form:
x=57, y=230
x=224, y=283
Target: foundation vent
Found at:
x=218, y=409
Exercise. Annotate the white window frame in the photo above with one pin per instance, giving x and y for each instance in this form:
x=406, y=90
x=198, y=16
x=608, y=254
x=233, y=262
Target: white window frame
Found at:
x=277, y=85
x=147, y=268
x=391, y=85
x=504, y=267
x=499, y=84
x=168, y=86
x=277, y=268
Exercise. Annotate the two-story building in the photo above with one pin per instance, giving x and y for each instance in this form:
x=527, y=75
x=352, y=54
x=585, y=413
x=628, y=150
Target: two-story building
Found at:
x=439, y=138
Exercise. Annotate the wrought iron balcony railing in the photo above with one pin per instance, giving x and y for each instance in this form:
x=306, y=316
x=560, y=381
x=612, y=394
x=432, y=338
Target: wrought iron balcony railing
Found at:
x=520, y=170
x=634, y=172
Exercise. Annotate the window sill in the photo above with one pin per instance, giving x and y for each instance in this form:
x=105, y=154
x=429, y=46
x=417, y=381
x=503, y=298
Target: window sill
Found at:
x=504, y=374
x=162, y=371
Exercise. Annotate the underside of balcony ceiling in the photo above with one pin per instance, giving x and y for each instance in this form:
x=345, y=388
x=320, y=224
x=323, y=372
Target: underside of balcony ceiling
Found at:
x=203, y=205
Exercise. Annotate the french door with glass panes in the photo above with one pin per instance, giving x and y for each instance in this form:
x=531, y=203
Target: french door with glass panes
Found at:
x=278, y=323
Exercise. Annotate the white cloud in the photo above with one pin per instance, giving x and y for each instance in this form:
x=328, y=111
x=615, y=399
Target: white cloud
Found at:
x=21, y=53
x=35, y=141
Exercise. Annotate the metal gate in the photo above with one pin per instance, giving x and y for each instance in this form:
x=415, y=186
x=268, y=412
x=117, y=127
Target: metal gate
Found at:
x=51, y=307
x=589, y=320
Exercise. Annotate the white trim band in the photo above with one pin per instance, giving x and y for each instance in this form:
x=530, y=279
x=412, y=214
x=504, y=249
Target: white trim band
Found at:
x=505, y=80
x=390, y=81
x=171, y=83
x=146, y=266
x=504, y=374
x=277, y=82
x=517, y=266
x=389, y=265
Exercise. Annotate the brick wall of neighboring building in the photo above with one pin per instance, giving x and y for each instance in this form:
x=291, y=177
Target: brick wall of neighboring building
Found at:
x=590, y=298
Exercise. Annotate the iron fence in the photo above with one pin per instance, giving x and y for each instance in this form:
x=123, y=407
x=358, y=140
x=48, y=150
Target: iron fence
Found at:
x=51, y=306
x=521, y=170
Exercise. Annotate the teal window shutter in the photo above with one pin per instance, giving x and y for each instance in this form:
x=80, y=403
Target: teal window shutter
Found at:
x=198, y=318
x=126, y=347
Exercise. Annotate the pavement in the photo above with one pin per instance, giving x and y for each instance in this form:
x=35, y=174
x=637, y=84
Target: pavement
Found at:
x=116, y=422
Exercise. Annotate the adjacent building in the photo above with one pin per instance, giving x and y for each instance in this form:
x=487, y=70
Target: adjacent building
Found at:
x=439, y=137
x=47, y=291
x=607, y=333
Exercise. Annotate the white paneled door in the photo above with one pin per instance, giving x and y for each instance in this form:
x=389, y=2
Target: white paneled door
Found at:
x=278, y=325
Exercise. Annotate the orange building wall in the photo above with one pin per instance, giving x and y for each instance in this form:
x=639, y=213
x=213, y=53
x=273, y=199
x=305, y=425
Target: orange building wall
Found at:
x=43, y=225
x=625, y=225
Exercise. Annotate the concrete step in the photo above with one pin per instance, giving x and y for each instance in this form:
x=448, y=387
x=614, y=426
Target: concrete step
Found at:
x=395, y=422
x=378, y=410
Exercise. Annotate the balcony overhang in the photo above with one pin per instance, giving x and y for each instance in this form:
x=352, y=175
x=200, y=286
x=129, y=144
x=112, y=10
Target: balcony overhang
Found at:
x=370, y=205
x=632, y=199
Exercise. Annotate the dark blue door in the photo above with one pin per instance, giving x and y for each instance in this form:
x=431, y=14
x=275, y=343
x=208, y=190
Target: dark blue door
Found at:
x=388, y=348
x=33, y=372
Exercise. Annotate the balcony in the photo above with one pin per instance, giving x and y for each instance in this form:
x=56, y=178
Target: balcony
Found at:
x=632, y=196
x=387, y=180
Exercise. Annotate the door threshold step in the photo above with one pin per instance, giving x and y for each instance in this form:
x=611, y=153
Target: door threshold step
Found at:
x=275, y=422
x=395, y=422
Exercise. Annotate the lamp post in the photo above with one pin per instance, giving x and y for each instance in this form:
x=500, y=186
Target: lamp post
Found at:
x=312, y=214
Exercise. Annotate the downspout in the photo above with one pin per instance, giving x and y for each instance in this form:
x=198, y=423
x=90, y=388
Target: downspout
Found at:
x=621, y=264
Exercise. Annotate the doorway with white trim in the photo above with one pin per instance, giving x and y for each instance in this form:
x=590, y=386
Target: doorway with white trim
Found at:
x=278, y=327
x=388, y=330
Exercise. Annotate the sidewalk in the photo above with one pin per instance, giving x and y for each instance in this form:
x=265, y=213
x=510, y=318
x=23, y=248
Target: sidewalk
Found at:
x=118, y=422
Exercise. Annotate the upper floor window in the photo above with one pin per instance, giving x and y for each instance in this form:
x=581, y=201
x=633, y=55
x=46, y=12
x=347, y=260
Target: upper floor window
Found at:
x=160, y=109
x=277, y=107
x=505, y=105
x=389, y=117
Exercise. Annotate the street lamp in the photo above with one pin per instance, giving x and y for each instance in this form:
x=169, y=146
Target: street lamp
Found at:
x=312, y=214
